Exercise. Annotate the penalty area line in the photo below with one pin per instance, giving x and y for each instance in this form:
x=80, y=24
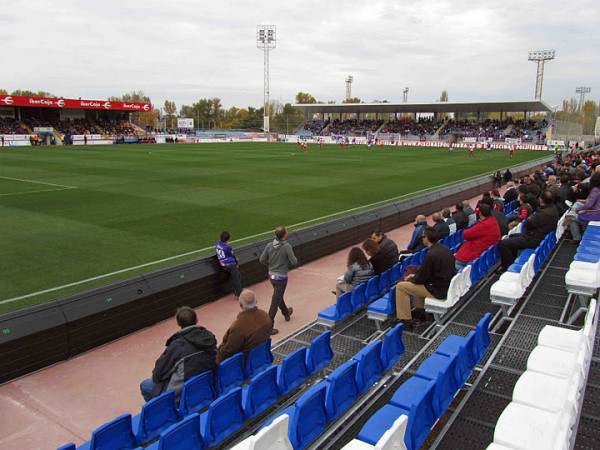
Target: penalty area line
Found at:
x=39, y=182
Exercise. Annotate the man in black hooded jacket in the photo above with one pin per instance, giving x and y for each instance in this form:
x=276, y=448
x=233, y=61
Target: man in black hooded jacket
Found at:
x=190, y=352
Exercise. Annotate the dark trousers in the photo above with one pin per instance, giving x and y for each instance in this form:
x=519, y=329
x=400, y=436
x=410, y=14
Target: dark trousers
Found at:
x=510, y=247
x=277, y=299
x=236, y=277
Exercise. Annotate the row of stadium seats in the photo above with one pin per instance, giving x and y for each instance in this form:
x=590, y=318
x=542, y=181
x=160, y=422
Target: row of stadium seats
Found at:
x=425, y=397
x=583, y=277
x=547, y=398
x=266, y=385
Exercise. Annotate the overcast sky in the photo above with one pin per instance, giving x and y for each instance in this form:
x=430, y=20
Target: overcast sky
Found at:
x=187, y=50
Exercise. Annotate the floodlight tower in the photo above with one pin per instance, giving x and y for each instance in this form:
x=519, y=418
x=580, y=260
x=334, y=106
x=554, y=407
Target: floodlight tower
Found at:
x=582, y=90
x=405, y=95
x=541, y=56
x=349, y=81
x=265, y=40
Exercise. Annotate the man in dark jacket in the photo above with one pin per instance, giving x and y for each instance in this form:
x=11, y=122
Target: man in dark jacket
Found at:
x=279, y=256
x=440, y=225
x=388, y=250
x=500, y=218
x=432, y=279
x=563, y=192
x=190, y=352
x=416, y=242
x=535, y=229
x=460, y=218
x=251, y=328
x=511, y=193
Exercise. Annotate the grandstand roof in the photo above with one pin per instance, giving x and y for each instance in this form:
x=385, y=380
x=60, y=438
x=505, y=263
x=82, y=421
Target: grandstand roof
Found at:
x=437, y=107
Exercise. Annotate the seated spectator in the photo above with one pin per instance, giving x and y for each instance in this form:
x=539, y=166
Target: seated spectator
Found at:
x=431, y=280
x=460, y=218
x=440, y=225
x=373, y=251
x=564, y=193
x=511, y=193
x=535, y=229
x=478, y=238
x=523, y=212
x=588, y=211
x=471, y=216
x=251, y=328
x=416, y=242
x=387, y=248
x=507, y=176
x=359, y=271
x=449, y=220
x=190, y=352
x=498, y=201
x=551, y=184
x=499, y=216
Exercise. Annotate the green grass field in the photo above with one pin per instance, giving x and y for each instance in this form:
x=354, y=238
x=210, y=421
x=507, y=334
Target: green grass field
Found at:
x=71, y=214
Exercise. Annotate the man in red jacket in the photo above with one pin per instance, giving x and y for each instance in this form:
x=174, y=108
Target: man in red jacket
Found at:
x=478, y=238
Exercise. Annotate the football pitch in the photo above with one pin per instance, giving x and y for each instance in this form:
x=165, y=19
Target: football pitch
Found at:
x=80, y=217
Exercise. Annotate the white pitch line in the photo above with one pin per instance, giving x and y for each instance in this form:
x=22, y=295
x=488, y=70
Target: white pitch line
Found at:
x=39, y=182
x=35, y=192
x=170, y=258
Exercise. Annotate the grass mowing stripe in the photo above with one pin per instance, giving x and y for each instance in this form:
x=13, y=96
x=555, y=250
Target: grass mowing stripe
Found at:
x=132, y=206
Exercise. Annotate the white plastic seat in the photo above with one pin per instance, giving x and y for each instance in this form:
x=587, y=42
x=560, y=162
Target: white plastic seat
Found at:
x=272, y=437
x=528, y=428
x=557, y=363
x=392, y=439
x=549, y=393
x=494, y=446
x=459, y=285
x=511, y=285
x=583, y=277
x=569, y=340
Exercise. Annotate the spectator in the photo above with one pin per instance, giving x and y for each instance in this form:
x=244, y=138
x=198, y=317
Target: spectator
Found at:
x=251, y=328
x=564, y=193
x=589, y=211
x=500, y=217
x=478, y=238
x=190, y=352
x=416, y=242
x=460, y=218
x=359, y=271
x=535, y=229
x=471, y=216
x=440, y=225
x=431, y=280
x=511, y=193
x=228, y=262
x=449, y=220
x=373, y=251
x=523, y=212
x=388, y=250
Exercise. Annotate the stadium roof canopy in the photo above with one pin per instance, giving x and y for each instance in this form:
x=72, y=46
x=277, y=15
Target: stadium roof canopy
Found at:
x=437, y=107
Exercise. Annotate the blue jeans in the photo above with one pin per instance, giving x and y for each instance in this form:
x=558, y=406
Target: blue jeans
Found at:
x=146, y=389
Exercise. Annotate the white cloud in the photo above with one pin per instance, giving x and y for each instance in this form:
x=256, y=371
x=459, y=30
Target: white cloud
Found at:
x=186, y=50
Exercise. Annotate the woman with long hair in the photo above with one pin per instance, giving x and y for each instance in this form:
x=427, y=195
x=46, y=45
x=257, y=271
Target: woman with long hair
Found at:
x=359, y=271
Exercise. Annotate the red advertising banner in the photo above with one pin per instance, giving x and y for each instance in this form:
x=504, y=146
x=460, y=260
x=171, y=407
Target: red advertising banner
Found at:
x=13, y=100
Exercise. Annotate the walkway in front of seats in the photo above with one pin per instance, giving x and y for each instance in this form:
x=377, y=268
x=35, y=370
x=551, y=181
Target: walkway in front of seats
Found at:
x=66, y=402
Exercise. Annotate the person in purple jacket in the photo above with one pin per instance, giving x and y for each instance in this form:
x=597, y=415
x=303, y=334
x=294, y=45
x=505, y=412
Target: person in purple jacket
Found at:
x=229, y=263
x=588, y=211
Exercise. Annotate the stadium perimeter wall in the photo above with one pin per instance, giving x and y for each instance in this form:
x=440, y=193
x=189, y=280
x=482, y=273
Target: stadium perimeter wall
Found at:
x=38, y=336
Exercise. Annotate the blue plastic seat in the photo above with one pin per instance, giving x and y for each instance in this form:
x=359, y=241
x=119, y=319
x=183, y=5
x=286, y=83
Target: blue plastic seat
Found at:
x=156, y=416
x=396, y=273
x=422, y=254
x=358, y=297
x=384, y=305
x=320, y=353
x=259, y=358
x=69, y=446
x=340, y=310
x=117, y=433
x=491, y=258
x=442, y=370
x=197, y=393
x=405, y=263
x=384, y=280
x=231, y=374
x=181, y=436
x=392, y=347
x=308, y=416
x=420, y=419
x=260, y=393
x=369, y=365
x=452, y=343
x=466, y=356
x=224, y=416
x=372, y=289
x=292, y=371
x=341, y=389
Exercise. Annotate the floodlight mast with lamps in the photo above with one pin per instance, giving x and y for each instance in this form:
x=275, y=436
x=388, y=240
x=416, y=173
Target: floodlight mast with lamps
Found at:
x=540, y=56
x=405, y=95
x=582, y=90
x=266, y=40
x=349, y=81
